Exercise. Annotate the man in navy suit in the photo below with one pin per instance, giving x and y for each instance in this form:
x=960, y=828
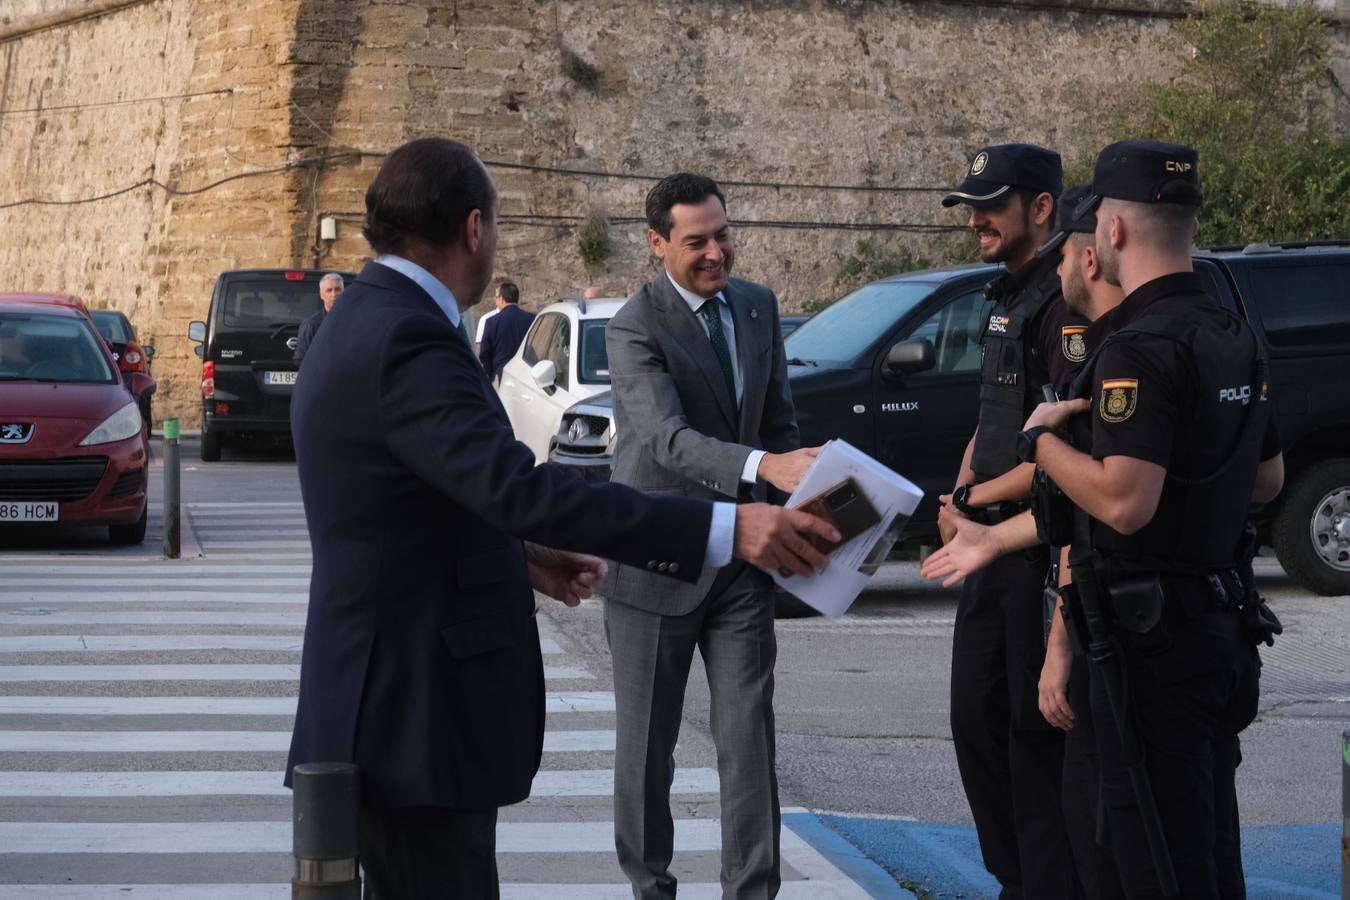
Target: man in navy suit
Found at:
x=430, y=524
x=503, y=332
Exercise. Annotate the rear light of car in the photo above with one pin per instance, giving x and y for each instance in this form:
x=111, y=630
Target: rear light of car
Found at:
x=295, y=276
x=222, y=409
x=208, y=379
x=133, y=359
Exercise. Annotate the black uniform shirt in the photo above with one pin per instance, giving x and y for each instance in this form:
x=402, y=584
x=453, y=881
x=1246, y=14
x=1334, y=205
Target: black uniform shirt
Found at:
x=1143, y=389
x=1057, y=337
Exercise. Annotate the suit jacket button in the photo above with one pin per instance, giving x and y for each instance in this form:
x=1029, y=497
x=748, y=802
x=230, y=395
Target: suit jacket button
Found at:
x=674, y=568
x=651, y=564
x=663, y=567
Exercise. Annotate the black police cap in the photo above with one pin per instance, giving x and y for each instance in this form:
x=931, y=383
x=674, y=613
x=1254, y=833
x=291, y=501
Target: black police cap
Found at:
x=1147, y=172
x=998, y=169
x=1072, y=216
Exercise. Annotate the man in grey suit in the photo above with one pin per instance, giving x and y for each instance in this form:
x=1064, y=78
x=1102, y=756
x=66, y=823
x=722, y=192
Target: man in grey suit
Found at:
x=702, y=409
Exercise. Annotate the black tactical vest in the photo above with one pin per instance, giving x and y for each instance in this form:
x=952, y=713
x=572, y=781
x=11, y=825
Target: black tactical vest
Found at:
x=1207, y=493
x=1012, y=370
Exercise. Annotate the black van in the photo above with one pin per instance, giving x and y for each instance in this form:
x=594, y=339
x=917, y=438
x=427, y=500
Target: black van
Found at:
x=247, y=347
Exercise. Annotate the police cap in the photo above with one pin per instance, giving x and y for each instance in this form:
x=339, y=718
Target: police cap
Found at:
x=1147, y=172
x=998, y=169
x=1072, y=216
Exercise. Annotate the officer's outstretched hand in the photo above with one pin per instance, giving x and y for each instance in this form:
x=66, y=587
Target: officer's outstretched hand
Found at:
x=973, y=547
x=566, y=577
x=772, y=537
x=1055, y=415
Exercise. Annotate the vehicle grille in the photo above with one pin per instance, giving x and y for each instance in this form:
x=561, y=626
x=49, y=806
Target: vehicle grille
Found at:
x=127, y=483
x=64, y=480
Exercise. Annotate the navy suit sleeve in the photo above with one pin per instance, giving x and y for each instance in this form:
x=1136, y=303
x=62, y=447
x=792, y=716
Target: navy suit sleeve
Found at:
x=485, y=346
x=439, y=421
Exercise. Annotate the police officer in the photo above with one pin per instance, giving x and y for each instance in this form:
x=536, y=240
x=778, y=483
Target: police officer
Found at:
x=1181, y=442
x=1009, y=758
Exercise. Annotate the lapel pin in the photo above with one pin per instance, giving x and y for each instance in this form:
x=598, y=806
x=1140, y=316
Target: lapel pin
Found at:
x=754, y=314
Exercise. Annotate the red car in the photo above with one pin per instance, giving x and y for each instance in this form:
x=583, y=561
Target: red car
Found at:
x=73, y=447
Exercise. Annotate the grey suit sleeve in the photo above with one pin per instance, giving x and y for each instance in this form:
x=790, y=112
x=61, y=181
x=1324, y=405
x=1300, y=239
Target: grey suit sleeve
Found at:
x=779, y=428
x=646, y=392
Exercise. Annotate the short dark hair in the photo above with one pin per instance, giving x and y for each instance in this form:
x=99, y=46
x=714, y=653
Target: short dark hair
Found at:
x=425, y=191
x=682, y=187
x=510, y=293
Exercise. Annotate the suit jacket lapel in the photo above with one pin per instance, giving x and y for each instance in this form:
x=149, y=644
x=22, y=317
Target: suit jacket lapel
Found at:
x=750, y=323
x=689, y=334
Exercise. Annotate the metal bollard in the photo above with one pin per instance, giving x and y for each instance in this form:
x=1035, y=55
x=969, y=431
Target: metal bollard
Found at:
x=325, y=832
x=173, y=525
x=1345, y=812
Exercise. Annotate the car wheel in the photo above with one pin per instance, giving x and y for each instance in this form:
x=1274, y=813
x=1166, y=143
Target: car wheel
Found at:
x=133, y=533
x=786, y=606
x=210, y=445
x=1311, y=531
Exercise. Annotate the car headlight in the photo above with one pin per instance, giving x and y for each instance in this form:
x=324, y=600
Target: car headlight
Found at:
x=123, y=424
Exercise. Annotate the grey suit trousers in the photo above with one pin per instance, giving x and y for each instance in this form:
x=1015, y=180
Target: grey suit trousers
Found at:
x=733, y=631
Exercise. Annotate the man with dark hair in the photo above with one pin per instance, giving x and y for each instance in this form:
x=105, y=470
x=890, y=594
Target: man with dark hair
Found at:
x=702, y=409
x=503, y=332
x=1009, y=757
x=421, y=659
x=330, y=288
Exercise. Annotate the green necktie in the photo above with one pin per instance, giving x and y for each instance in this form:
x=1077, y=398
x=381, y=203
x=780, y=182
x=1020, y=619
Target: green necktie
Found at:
x=718, y=338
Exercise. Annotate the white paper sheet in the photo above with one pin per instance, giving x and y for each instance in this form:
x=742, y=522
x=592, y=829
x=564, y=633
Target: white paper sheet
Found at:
x=853, y=563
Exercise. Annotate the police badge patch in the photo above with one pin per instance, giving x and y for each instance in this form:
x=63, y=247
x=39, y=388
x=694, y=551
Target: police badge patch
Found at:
x=1072, y=343
x=1119, y=398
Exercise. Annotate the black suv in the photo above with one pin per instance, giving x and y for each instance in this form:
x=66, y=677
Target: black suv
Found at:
x=893, y=368
x=247, y=347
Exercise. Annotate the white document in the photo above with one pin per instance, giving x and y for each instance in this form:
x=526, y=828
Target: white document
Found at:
x=853, y=563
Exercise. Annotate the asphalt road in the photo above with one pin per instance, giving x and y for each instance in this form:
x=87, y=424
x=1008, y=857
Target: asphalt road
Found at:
x=863, y=744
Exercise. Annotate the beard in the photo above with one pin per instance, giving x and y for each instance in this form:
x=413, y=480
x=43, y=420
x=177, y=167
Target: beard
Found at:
x=1109, y=260
x=1075, y=291
x=1011, y=246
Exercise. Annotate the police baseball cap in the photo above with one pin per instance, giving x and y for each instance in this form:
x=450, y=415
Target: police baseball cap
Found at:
x=1146, y=172
x=998, y=169
x=1072, y=216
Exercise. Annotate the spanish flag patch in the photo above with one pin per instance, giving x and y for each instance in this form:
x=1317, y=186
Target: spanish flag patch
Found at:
x=1119, y=397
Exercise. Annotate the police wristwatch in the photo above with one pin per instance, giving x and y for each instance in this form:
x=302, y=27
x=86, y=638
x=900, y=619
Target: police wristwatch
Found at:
x=961, y=500
x=1026, y=442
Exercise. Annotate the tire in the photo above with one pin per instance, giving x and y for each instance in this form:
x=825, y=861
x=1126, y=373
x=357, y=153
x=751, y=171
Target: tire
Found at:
x=1311, y=531
x=786, y=606
x=133, y=533
x=210, y=445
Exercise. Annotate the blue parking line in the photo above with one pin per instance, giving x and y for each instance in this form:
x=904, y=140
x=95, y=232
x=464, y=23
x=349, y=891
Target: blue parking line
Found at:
x=1281, y=861
x=879, y=884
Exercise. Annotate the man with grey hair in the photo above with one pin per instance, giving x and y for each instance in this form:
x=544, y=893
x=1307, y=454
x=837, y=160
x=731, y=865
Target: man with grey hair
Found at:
x=330, y=288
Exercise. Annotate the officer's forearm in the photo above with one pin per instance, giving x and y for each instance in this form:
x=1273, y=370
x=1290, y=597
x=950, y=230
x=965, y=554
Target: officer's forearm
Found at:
x=1015, y=484
x=967, y=474
x=1120, y=491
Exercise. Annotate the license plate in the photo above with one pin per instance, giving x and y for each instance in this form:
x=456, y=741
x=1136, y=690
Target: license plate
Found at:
x=28, y=512
x=279, y=377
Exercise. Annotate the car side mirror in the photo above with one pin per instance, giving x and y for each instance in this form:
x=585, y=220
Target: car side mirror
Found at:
x=545, y=374
x=911, y=357
x=197, y=331
x=140, y=384
x=199, y=350
x=149, y=351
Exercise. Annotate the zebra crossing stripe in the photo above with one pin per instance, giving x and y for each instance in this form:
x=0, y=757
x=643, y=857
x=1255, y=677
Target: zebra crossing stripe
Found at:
x=224, y=672
x=226, y=594
x=47, y=616
x=791, y=890
x=548, y=783
x=127, y=643
x=13, y=705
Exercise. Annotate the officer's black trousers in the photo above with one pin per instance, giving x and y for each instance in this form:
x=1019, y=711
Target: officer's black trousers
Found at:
x=1011, y=760
x=1191, y=693
x=1082, y=786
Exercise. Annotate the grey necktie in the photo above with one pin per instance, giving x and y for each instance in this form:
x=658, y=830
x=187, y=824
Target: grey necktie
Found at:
x=718, y=338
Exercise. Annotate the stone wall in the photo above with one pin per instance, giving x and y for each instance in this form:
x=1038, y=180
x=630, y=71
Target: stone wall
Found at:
x=779, y=99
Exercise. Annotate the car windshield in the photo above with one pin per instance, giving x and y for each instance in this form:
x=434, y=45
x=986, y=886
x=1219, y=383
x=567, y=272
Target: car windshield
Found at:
x=112, y=326
x=36, y=347
x=842, y=331
x=593, y=367
x=253, y=306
